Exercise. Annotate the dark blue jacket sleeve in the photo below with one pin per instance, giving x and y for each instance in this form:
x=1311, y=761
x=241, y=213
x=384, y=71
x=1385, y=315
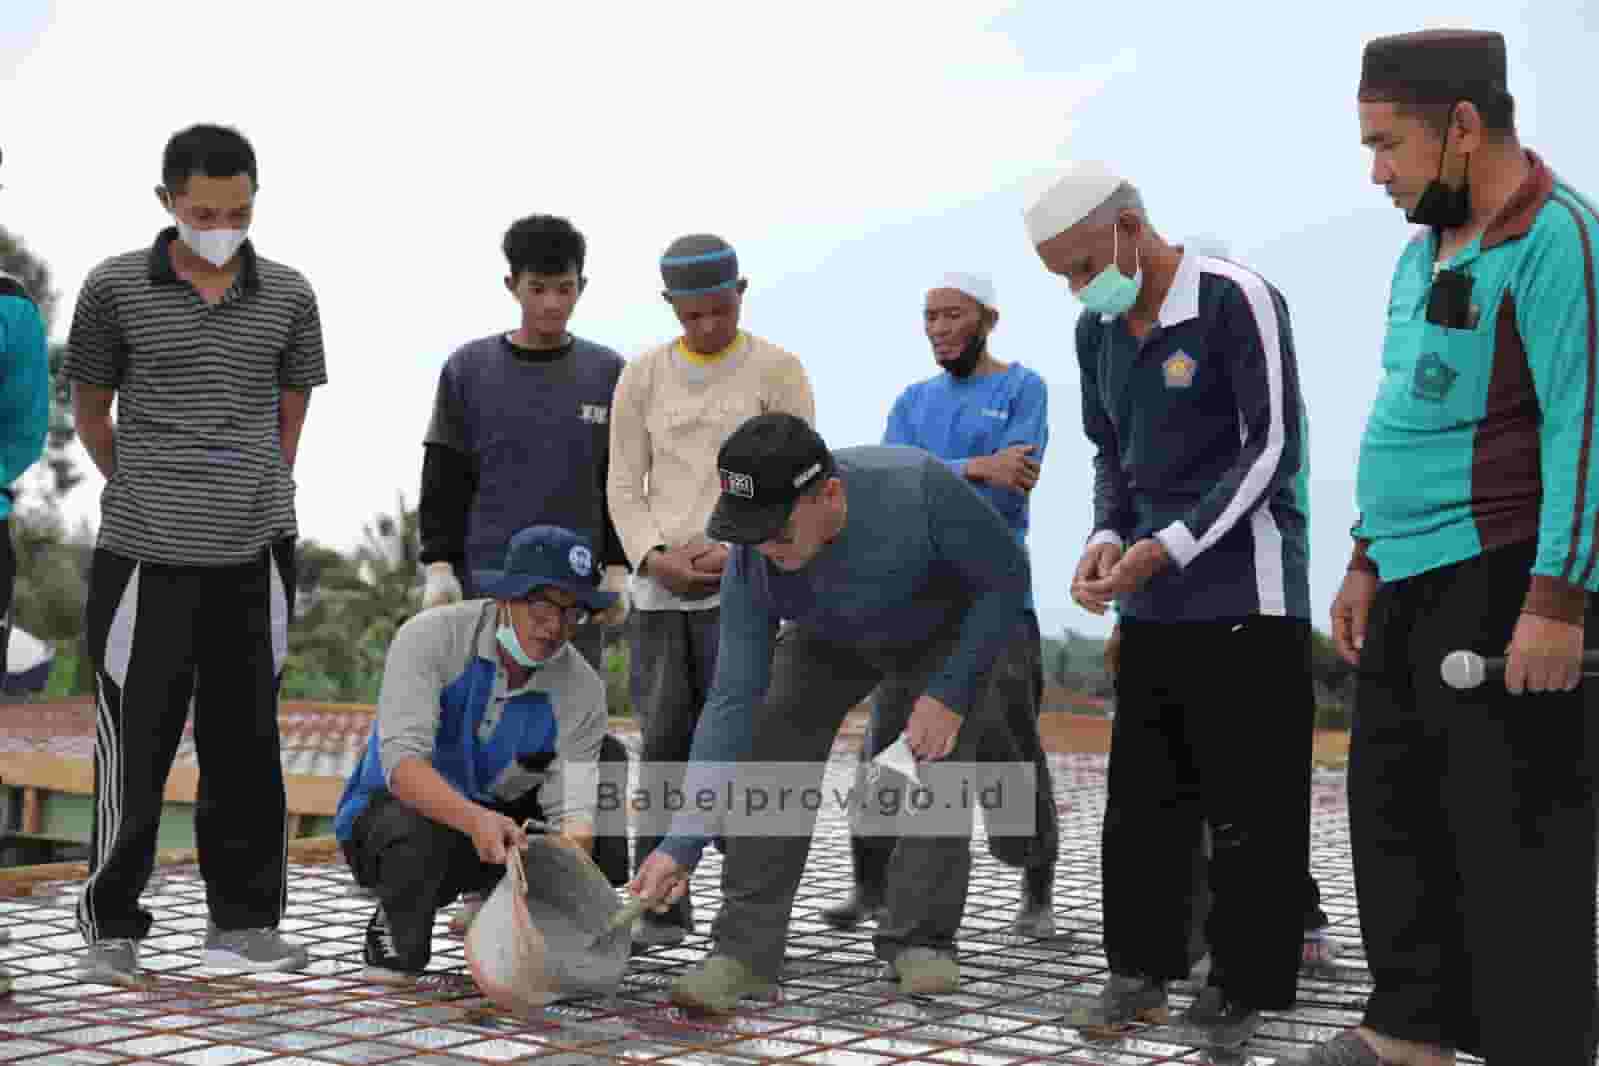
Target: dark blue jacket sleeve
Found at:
x=726, y=727
x=970, y=537
x=1113, y=506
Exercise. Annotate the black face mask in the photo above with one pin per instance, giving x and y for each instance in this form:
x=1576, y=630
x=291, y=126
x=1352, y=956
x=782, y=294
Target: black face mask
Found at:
x=1441, y=206
x=963, y=364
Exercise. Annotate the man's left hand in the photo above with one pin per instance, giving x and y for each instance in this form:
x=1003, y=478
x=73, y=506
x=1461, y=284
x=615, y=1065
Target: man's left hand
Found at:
x=713, y=560
x=1143, y=561
x=932, y=729
x=1545, y=655
x=615, y=581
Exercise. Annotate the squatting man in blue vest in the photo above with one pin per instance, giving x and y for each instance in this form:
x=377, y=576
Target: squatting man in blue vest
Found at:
x=488, y=716
x=887, y=568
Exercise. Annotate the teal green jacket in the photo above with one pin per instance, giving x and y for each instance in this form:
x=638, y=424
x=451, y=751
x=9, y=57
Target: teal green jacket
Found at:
x=24, y=385
x=1483, y=430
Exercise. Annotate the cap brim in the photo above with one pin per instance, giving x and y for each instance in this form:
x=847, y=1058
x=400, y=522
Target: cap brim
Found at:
x=499, y=585
x=737, y=522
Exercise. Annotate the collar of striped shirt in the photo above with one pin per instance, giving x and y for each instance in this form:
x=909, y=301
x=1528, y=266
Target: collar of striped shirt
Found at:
x=161, y=271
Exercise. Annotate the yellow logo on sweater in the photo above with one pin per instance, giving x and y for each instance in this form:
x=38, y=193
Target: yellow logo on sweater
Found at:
x=1179, y=370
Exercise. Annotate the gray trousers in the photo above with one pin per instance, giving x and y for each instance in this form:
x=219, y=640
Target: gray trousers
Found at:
x=672, y=662
x=814, y=684
x=1016, y=687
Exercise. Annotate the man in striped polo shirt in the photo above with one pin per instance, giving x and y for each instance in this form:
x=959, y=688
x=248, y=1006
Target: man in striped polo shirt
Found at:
x=211, y=351
x=1472, y=813
x=1191, y=400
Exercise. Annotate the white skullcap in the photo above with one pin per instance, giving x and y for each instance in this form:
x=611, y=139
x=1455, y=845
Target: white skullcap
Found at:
x=977, y=286
x=1068, y=199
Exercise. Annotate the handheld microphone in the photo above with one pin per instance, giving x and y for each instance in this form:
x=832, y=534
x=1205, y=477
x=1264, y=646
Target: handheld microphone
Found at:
x=1467, y=669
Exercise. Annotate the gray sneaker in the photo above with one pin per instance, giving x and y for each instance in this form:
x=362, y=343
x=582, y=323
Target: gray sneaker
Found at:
x=1124, y=1003
x=110, y=962
x=256, y=950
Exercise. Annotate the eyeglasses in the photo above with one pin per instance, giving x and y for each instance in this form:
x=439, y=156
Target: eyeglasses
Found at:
x=546, y=609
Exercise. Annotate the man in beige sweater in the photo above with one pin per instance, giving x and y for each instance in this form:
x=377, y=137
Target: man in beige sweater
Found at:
x=673, y=408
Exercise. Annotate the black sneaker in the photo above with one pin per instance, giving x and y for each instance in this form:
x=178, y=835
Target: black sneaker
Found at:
x=384, y=963
x=1218, y=1021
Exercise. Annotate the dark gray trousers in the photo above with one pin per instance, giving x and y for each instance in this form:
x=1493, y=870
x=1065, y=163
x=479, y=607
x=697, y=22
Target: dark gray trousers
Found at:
x=672, y=662
x=814, y=683
x=1017, y=691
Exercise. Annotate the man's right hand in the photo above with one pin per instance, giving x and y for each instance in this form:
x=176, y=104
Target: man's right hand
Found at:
x=1010, y=468
x=493, y=833
x=442, y=586
x=1095, y=565
x=674, y=569
x=661, y=880
x=1350, y=609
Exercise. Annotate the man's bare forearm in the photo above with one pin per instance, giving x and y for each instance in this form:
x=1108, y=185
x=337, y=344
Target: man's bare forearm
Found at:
x=420, y=787
x=291, y=419
x=99, y=437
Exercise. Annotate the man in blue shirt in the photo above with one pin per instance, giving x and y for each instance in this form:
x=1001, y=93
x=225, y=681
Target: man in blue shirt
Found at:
x=887, y=569
x=989, y=422
x=1191, y=399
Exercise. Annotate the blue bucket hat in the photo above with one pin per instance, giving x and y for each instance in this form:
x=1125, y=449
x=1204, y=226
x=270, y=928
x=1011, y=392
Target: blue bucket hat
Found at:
x=546, y=555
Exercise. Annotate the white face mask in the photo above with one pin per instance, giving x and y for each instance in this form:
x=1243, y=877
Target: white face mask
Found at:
x=215, y=246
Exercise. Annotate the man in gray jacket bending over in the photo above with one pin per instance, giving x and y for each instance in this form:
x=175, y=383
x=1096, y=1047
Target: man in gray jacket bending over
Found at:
x=887, y=569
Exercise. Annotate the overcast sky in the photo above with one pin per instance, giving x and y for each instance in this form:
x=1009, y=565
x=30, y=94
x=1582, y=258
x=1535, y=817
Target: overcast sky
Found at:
x=851, y=152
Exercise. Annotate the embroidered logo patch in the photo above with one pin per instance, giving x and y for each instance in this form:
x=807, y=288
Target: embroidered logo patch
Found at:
x=582, y=560
x=737, y=484
x=1179, y=370
x=595, y=414
x=1433, y=378
x=806, y=474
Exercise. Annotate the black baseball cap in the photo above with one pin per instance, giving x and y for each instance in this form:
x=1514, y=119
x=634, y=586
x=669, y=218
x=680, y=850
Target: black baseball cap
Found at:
x=764, y=466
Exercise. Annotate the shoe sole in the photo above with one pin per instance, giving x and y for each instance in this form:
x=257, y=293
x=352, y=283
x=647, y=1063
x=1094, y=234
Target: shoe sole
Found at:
x=683, y=998
x=220, y=959
x=391, y=978
x=929, y=986
x=1094, y=1029
x=112, y=977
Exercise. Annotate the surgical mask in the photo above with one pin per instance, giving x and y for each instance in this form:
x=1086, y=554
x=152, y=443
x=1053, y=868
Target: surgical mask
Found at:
x=1441, y=206
x=513, y=647
x=1112, y=292
x=215, y=246
x=963, y=364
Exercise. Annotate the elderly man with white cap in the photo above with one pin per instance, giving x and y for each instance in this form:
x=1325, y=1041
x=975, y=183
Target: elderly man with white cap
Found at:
x=1191, y=399
x=988, y=422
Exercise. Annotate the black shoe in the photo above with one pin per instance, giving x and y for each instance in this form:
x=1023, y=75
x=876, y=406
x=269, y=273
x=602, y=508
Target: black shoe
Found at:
x=863, y=905
x=384, y=962
x=1220, y=1021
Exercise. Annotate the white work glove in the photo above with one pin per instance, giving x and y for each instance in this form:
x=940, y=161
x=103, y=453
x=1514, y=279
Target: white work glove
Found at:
x=615, y=581
x=442, y=587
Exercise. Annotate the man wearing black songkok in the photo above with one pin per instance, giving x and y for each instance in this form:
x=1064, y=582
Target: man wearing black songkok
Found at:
x=1472, y=810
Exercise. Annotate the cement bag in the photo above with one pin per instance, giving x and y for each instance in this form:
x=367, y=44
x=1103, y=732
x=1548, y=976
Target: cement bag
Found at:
x=543, y=933
x=504, y=950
